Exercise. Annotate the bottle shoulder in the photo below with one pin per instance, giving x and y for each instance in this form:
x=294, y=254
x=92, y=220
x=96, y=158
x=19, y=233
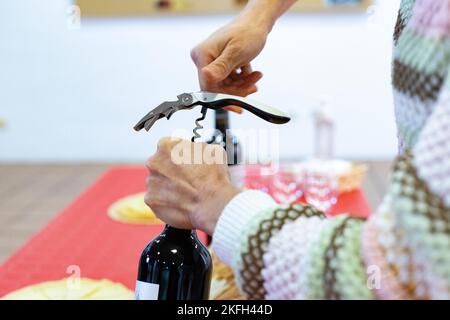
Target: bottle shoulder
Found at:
x=188, y=251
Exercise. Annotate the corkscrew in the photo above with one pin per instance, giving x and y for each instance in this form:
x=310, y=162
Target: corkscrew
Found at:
x=209, y=100
x=198, y=125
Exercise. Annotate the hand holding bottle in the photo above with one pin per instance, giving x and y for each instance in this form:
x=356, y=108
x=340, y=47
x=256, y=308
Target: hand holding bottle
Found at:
x=192, y=194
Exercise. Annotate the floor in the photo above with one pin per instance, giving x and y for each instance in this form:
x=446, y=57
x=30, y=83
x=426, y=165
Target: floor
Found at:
x=31, y=195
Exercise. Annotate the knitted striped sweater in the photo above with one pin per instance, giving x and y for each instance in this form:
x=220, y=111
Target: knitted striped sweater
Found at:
x=403, y=250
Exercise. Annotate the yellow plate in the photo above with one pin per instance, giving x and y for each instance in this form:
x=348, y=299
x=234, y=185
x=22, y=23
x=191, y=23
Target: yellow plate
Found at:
x=132, y=209
x=73, y=289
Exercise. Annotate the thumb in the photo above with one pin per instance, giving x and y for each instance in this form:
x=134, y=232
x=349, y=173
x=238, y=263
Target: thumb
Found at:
x=222, y=66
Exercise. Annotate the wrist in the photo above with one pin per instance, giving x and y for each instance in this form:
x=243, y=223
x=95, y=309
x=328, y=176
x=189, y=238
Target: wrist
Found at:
x=257, y=14
x=264, y=13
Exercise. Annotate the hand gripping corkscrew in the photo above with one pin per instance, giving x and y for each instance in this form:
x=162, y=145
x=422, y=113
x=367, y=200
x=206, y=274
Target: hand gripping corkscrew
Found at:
x=209, y=100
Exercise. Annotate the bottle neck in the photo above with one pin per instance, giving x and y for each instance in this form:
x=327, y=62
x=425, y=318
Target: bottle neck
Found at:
x=181, y=233
x=230, y=142
x=221, y=122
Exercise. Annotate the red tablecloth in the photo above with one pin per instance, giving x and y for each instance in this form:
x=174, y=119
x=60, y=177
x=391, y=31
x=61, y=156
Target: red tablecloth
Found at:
x=84, y=235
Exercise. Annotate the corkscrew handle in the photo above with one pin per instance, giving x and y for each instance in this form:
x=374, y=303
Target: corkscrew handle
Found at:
x=218, y=101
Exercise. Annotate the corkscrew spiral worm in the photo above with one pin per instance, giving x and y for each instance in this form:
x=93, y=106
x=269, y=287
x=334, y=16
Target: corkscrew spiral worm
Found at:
x=198, y=125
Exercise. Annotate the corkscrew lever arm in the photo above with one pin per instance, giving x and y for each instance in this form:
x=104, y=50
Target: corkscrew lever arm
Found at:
x=219, y=100
x=211, y=101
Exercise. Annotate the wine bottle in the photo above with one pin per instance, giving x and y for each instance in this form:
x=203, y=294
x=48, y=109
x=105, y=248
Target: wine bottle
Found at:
x=174, y=266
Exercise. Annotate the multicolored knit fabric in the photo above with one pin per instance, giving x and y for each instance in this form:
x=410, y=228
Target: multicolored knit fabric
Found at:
x=403, y=250
x=284, y=260
x=258, y=232
x=421, y=63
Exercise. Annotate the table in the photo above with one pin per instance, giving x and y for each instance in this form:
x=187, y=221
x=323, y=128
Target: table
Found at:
x=84, y=236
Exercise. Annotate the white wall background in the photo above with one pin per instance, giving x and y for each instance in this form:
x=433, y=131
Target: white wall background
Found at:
x=74, y=95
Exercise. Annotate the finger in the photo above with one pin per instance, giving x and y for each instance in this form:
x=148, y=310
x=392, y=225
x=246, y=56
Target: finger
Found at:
x=246, y=69
x=164, y=209
x=238, y=91
x=251, y=78
x=242, y=87
x=245, y=80
x=235, y=75
x=163, y=145
x=166, y=146
x=201, y=57
x=168, y=204
x=195, y=56
x=152, y=163
x=162, y=190
x=235, y=109
x=241, y=90
x=254, y=76
x=241, y=72
x=173, y=217
x=222, y=66
x=245, y=91
x=252, y=89
x=166, y=176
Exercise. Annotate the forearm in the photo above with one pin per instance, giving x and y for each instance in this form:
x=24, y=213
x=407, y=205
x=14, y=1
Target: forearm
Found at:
x=264, y=12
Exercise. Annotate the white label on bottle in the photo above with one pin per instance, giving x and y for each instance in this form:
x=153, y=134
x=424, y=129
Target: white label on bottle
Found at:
x=146, y=291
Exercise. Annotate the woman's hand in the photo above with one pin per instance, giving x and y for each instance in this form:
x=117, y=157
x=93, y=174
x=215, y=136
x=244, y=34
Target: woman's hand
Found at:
x=187, y=195
x=223, y=60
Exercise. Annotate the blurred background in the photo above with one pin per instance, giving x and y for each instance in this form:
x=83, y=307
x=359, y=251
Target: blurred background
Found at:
x=76, y=76
x=72, y=92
